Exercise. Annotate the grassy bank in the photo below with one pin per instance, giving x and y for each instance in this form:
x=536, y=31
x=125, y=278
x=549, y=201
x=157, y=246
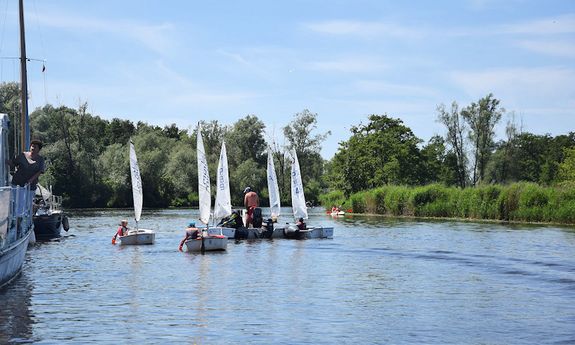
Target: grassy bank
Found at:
x=521, y=202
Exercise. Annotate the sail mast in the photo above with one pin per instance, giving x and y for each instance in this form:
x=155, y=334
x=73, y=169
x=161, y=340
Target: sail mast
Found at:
x=25, y=129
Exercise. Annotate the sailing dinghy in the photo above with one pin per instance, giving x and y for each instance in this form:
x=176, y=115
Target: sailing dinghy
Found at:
x=207, y=241
x=137, y=236
x=223, y=205
x=273, y=189
x=300, y=209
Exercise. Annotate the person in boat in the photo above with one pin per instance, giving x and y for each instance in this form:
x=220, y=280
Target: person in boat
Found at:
x=251, y=201
x=301, y=224
x=232, y=221
x=122, y=230
x=29, y=166
x=191, y=232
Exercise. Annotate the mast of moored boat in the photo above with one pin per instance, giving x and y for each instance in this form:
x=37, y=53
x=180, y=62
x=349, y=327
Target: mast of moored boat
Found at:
x=24, y=124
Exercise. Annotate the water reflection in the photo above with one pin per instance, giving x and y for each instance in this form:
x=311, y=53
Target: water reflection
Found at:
x=15, y=315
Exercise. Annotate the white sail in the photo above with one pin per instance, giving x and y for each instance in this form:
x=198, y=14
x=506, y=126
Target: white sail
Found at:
x=273, y=189
x=297, y=196
x=223, y=206
x=136, y=183
x=204, y=194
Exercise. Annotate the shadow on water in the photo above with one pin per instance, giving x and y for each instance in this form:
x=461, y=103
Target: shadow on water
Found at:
x=15, y=316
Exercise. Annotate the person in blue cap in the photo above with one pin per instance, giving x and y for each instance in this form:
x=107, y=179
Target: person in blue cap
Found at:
x=191, y=232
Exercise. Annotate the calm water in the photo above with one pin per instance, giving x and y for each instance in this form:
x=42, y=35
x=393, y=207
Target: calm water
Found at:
x=379, y=281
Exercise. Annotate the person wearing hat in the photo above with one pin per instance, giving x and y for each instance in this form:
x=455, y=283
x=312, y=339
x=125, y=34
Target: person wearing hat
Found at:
x=29, y=165
x=191, y=232
x=251, y=201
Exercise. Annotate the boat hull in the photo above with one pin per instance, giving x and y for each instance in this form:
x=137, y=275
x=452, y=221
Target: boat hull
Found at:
x=139, y=236
x=291, y=232
x=227, y=232
x=12, y=258
x=211, y=243
x=47, y=227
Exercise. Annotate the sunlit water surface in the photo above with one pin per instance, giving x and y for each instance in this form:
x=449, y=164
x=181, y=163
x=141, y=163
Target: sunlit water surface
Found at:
x=378, y=281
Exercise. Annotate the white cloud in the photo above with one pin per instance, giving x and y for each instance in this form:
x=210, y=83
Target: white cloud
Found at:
x=156, y=37
x=348, y=65
x=564, y=24
x=551, y=48
x=522, y=88
x=373, y=86
x=364, y=29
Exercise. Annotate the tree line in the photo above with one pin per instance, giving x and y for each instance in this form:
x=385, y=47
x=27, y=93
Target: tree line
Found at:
x=386, y=152
x=88, y=155
x=88, y=160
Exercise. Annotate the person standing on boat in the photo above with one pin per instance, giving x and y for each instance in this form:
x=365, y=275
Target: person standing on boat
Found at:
x=191, y=232
x=29, y=165
x=122, y=230
x=251, y=201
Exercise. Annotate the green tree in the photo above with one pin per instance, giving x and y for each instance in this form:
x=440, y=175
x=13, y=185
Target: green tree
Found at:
x=439, y=165
x=567, y=167
x=299, y=134
x=246, y=147
x=113, y=165
x=453, y=120
x=481, y=117
x=382, y=152
x=10, y=105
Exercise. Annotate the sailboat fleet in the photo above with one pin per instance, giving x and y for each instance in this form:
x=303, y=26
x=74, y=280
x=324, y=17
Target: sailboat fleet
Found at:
x=16, y=211
x=215, y=237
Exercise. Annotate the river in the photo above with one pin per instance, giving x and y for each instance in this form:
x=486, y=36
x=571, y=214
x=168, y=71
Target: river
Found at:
x=378, y=281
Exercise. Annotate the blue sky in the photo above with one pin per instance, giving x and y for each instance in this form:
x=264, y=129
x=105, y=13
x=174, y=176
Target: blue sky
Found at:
x=179, y=62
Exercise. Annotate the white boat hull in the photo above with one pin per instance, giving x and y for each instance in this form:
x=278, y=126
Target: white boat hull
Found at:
x=210, y=243
x=12, y=258
x=338, y=214
x=230, y=233
x=139, y=236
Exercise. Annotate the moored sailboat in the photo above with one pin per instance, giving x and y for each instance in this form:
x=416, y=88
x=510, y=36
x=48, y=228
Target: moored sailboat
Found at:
x=49, y=218
x=137, y=236
x=206, y=241
x=15, y=202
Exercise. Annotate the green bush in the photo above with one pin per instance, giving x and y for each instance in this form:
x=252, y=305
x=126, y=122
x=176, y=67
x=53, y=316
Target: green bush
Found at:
x=523, y=201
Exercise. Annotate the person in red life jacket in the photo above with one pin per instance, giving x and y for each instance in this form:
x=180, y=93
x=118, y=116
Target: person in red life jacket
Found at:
x=251, y=201
x=301, y=224
x=191, y=232
x=122, y=230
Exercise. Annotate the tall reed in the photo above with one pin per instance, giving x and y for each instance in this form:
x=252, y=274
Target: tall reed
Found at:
x=522, y=201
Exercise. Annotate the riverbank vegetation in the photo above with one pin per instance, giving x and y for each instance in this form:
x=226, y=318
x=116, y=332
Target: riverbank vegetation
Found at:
x=516, y=202
x=383, y=168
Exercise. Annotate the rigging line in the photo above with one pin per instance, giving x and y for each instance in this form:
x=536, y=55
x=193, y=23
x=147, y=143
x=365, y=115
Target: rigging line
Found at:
x=42, y=48
x=37, y=18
